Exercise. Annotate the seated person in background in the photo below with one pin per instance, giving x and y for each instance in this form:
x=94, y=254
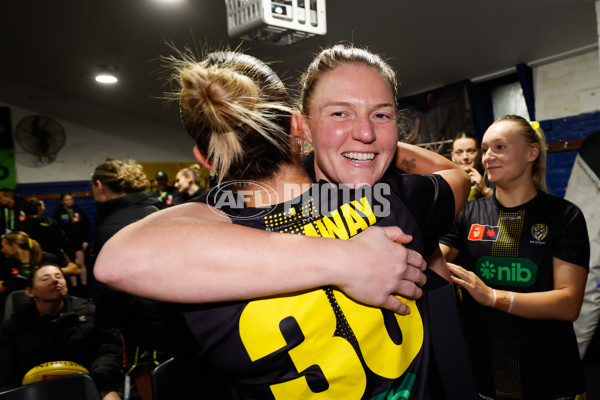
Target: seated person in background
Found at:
x=466, y=154
x=188, y=183
x=57, y=327
x=23, y=254
x=45, y=230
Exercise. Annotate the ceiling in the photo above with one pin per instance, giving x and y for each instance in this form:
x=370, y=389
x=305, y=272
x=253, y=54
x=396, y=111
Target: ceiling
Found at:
x=51, y=49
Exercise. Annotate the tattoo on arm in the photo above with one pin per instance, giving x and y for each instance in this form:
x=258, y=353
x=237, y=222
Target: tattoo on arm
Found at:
x=408, y=165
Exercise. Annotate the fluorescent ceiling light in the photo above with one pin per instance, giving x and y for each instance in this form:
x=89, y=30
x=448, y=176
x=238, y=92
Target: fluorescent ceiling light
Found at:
x=106, y=78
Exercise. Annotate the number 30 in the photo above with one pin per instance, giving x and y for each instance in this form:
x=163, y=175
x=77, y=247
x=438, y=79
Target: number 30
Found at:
x=335, y=356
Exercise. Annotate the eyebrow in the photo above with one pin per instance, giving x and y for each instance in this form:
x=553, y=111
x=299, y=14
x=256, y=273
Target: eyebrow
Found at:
x=348, y=104
x=493, y=141
x=52, y=274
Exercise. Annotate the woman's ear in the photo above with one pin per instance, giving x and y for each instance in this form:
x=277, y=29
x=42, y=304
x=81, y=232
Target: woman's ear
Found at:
x=29, y=292
x=534, y=151
x=296, y=135
x=99, y=187
x=302, y=127
x=296, y=127
x=201, y=157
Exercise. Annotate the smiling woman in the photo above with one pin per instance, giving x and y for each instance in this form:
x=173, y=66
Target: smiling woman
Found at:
x=352, y=125
x=524, y=256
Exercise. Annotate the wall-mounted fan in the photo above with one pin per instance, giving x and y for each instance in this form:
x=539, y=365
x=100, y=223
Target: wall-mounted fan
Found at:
x=41, y=137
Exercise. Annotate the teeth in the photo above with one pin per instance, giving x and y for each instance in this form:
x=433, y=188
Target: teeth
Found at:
x=359, y=157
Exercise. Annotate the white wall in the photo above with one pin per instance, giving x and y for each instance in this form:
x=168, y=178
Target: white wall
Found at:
x=107, y=134
x=567, y=87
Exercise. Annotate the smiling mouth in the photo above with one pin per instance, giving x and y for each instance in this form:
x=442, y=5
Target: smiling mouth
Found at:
x=359, y=157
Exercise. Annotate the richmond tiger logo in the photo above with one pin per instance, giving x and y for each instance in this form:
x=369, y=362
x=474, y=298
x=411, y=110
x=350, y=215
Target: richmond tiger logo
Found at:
x=539, y=231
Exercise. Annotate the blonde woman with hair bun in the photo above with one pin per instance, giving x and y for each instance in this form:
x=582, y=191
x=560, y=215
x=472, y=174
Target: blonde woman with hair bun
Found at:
x=119, y=188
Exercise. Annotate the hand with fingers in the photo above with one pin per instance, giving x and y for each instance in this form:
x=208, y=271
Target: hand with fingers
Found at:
x=482, y=293
x=383, y=269
x=474, y=176
x=477, y=180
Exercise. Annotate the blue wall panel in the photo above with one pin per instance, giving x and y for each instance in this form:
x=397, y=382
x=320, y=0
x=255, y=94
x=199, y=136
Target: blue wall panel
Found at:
x=86, y=201
x=559, y=164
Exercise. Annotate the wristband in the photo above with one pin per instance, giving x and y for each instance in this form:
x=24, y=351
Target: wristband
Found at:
x=512, y=301
x=504, y=302
x=495, y=298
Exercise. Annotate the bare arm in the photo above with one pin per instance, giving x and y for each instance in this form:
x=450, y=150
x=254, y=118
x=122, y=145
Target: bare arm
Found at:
x=561, y=303
x=449, y=253
x=417, y=160
x=153, y=258
x=437, y=263
x=106, y=395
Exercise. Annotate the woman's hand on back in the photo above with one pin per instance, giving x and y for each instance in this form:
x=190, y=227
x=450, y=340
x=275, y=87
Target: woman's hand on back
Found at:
x=382, y=268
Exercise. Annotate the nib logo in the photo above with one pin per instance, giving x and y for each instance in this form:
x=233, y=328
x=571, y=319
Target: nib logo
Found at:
x=487, y=270
x=484, y=232
x=507, y=271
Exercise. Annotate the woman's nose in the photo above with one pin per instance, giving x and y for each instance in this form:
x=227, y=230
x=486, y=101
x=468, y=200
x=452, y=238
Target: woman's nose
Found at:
x=363, y=131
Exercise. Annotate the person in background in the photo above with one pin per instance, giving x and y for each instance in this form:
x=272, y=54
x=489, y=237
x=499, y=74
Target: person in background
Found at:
x=524, y=258
x=166, y=195
x=10, y=210
x=24, y=255
x=188, y=183
x=465, y=152
x=45, y=230
x=119, y=188
x=583, y=190
x=76, y=225
x=58, y=327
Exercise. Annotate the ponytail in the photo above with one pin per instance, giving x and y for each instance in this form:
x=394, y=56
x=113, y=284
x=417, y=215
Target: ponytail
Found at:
x=237, y=111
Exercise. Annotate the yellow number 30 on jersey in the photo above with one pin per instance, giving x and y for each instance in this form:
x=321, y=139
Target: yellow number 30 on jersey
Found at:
x=338, y=361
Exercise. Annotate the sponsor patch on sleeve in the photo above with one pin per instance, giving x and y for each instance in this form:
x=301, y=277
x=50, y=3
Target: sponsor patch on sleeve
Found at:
x=484, y=232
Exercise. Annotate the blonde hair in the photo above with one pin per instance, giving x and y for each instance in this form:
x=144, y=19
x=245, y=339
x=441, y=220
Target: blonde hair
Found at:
x=237, y=110
x=532, y=135
x=23, y=240
x=193, y=171
x=121, y=176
